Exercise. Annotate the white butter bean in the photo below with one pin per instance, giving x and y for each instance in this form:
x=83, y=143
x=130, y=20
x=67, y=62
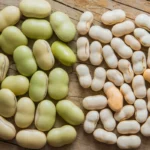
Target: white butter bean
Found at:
x=84, y=76
x=99, y=79
x=83, y=48
x=123, y=28
x=139, y=62
x=101, y=34
x=126, y=68
x=143, y=21
x=86, y=19
x=143, y=36
x=138, y=85
x=90, y=122
x=131, y=41
x=127, y=93
x=115, y=76
x=128, y=127
x=125, y=113
x=121, y=48
x=110, y=57
x=148, y=58
x=96, y=102
x=148, y=98
x=113, y=17
x=141, y=112
x=107, y=119
x=105, y=137
x=145, y=128
x=96, y=57
x=128, y=142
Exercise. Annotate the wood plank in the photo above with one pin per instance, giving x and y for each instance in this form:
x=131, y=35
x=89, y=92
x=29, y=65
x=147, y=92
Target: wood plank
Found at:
x=96, y=5
x=136, y=4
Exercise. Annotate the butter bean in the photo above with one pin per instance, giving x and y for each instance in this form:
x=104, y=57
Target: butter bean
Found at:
x=8, y=42
x=37, y=29
x=8, y=103
x=107, y=119
x=64, y=27
x=58, y=84
x=38, y=86
x=115, y=101
x=8, y=130
x=105, y=137
x=84, y=76
x=4, y=66
x=64, y=135
x=99, y=79
x=125, y=113
x=9, y=16
x=90, y=122
x=63, y=53
x=25, y=112
x=45, y=115
x=43, y=54
x=35, y=8
x=75, y=115
x=31, y=138
x=18, y=84
x=96, y=102
x=24, y=59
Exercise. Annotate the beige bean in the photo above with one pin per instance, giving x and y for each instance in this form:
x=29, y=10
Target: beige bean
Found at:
x=125, y=113
x=143, y=36
x=145, y=128
x=138, y=85
x=128, y=142
x=83, y=48
x=146, y=75
x=121, y=48
x=143, y=21
x=8, y=130
x=131, y=41
x=99, y=79
x=43, y=54
x=148, y=58
x=86, y=19
x=84, y=75
x=110, y=57
x=115, y=101
x=148, y=98
x=31, y=138
x=96, y=57
x=139, y=62
x=115, y=76
x=105, y=137
x=107, y=119
x=123, y=28
x=4, y=65
x=128, y=127
x=101, y=34
x=113, y=16
x=126, y=69
x=95, y=102
x=90, y=122
x=128, y=94
x=141, y=112
x=8, y=103
x=25, y=112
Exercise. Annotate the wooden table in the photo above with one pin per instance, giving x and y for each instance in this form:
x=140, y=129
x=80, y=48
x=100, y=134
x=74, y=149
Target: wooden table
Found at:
x=74, y=8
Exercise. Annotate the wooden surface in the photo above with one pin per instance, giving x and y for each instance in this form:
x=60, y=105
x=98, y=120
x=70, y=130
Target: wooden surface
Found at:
x=74, y=8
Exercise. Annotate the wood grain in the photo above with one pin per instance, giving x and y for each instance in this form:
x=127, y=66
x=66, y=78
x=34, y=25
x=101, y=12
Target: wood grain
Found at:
x=74, y=8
